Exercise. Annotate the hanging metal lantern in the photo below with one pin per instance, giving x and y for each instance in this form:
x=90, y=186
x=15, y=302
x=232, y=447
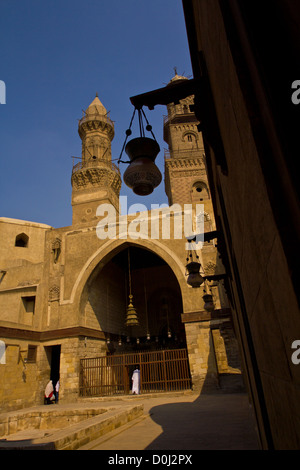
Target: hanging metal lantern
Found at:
x=193, y=268
x=208, y=302
x=208, y=298
x=142, y=175
x=194, y=277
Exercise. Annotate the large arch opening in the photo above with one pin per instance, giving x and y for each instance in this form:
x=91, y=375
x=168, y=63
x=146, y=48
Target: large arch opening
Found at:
x=156, y=298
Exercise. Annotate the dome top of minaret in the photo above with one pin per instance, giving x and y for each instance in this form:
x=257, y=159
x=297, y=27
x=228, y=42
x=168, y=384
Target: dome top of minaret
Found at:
x=96, y=107
x=176, y=78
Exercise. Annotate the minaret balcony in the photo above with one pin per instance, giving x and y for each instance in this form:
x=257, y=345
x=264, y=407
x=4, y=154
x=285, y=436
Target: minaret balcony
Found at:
x=96, y=121
x=96, y=117
x=95, y=163
x=174, y=117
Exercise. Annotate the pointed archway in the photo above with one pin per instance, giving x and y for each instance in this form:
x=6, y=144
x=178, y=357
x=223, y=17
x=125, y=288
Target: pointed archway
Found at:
x=156, y=298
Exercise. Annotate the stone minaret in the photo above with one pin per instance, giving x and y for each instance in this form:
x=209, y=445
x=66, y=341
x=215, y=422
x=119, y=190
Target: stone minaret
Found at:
x=185, y=168
x=186, y=182
x=95, y=179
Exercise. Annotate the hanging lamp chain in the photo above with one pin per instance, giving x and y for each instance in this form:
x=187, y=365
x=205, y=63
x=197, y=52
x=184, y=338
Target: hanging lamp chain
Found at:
x=128, y=132
x=129, y=275
x=148, y=127
x=146, y=306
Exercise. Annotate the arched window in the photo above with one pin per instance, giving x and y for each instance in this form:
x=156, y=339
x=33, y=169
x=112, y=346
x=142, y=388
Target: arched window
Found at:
x=199, y=191
x=22, y=240
x=189, y=137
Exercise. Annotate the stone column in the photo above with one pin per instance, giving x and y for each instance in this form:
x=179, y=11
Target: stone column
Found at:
x=201, y=351
x=201, y=355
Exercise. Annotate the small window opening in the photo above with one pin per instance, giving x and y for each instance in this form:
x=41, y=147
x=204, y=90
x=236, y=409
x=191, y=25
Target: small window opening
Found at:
x=27, y=310
x=22, y=240
x=29, y=304
x=31, y=353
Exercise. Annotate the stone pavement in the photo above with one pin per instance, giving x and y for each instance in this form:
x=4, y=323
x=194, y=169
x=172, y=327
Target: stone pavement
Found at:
x=186, y=422
x=64, y=426
x=167, y=421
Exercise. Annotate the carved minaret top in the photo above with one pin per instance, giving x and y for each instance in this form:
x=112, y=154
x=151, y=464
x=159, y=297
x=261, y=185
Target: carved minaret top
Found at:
x=96, y=131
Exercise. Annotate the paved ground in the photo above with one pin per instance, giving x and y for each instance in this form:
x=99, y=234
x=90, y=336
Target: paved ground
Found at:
x=186, y=422
x=175, y=421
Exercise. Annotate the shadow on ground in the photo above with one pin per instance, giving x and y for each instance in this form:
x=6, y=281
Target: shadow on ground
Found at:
x=220, y=421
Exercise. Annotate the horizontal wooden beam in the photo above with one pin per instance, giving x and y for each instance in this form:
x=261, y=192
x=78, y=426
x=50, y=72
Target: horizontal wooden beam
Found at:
x=32, y=335
x=204, y=315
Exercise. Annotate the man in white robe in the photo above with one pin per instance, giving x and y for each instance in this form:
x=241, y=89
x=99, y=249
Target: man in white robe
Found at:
x=136, y=381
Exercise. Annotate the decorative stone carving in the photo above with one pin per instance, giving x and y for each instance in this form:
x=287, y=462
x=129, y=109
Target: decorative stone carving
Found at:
x=96, y=177
x=209, y=268
x=54, y=292
x=186, y=163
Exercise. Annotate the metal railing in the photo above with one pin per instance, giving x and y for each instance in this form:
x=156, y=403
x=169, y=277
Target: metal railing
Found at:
x=96, y=116
x=160, y=371
x=178, y=112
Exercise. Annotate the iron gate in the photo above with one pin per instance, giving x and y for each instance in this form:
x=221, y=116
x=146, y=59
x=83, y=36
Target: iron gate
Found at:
x=160, y=371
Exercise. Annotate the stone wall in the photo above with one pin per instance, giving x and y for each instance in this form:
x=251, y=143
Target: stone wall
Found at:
x=266, y=310
x=19, y=379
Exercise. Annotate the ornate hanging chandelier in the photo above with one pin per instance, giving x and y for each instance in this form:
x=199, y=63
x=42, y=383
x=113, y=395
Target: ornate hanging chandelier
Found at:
x=131, y=315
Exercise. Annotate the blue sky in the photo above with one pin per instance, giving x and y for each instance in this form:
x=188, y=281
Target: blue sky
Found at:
x=55, y=55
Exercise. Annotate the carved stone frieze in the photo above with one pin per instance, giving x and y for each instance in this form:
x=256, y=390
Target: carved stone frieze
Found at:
x=96, y=124
x=95, y=177
x=180, y=163
x=185, y=174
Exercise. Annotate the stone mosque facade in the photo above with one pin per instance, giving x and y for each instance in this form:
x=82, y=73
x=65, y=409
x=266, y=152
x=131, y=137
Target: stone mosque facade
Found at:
x=64, y=291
